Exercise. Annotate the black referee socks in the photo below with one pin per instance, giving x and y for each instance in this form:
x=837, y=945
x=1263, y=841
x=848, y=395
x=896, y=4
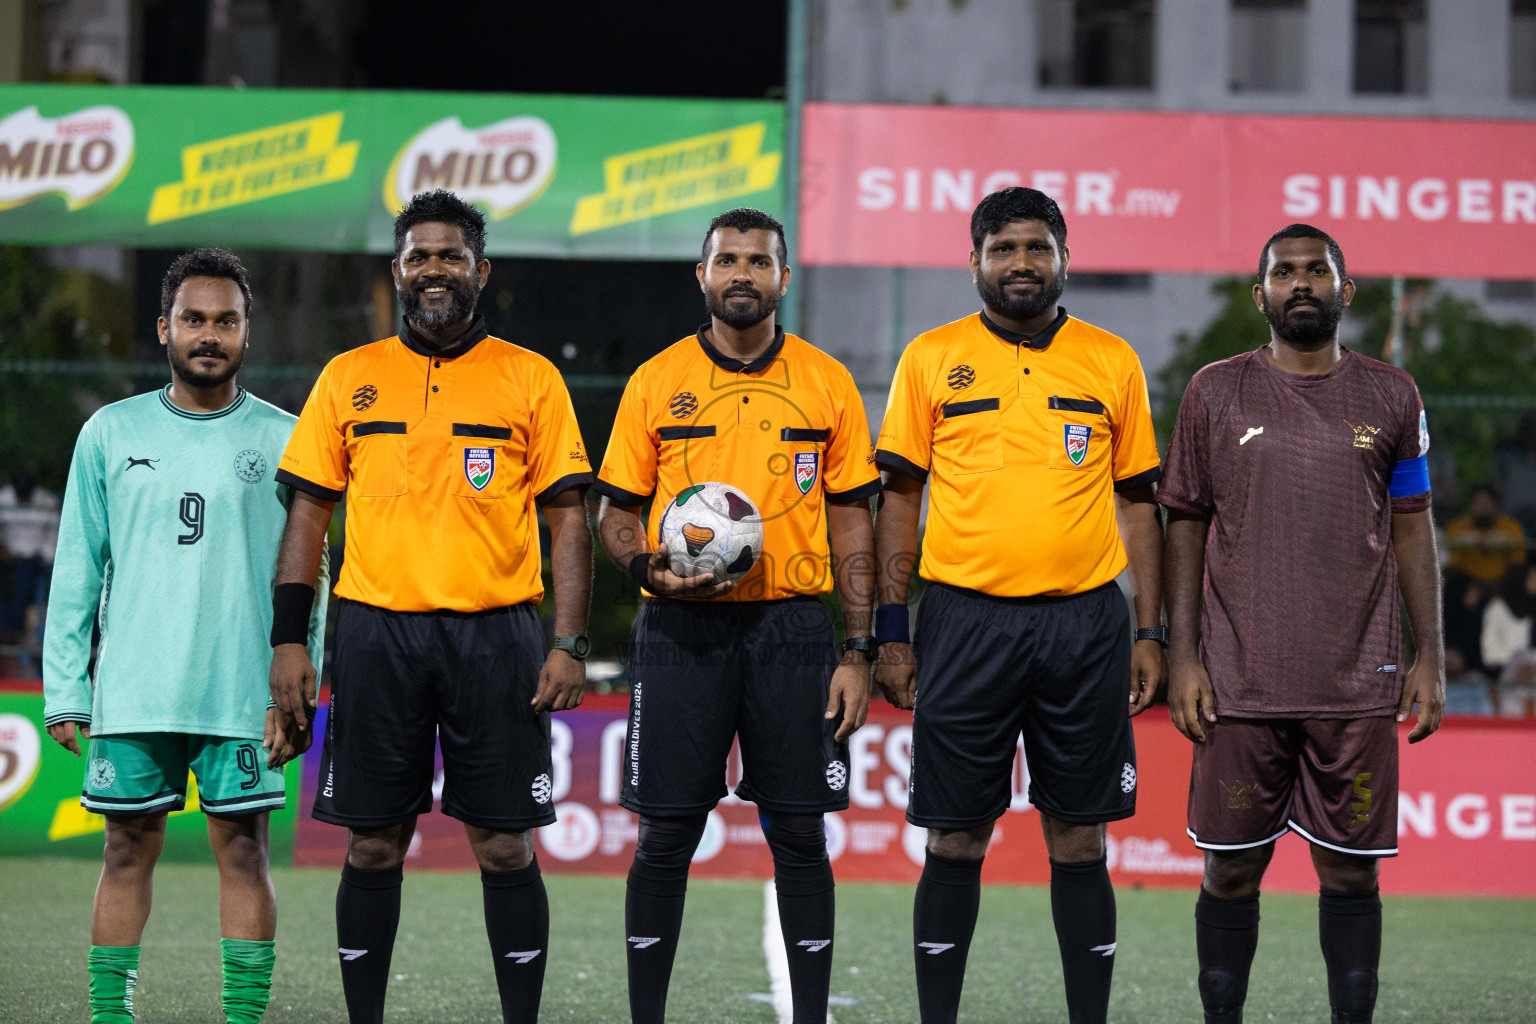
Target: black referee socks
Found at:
x=943, y=921
x=802, y=880
x=653, y=910
x=367, y=914
x=1083, y=908
x=1349, y=929
x=1226, y=934
x=517, y=923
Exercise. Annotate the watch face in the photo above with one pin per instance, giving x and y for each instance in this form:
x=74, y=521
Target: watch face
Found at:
x=580, y=646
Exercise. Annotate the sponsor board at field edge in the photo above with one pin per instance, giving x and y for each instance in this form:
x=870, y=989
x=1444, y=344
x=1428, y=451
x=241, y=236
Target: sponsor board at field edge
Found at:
x=1464, y=829
x=1197, y=193
x=40, y=784
x=301, y=169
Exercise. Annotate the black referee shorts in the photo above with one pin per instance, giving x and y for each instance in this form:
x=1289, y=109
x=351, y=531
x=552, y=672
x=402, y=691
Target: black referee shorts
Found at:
x=702, y=674
x=1057, y=670
x=403, y=679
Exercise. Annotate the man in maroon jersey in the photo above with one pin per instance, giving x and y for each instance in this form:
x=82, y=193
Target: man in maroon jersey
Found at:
x=1297, y=491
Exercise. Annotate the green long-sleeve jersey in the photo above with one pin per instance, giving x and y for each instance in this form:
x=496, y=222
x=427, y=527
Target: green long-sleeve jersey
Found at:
x=169, y=536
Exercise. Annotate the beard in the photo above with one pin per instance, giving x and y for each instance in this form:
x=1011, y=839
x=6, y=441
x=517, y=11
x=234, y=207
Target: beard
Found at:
x=1308, y=331
x=735, y=317
x=182, y=365
x=461, y=308
x=995, y=296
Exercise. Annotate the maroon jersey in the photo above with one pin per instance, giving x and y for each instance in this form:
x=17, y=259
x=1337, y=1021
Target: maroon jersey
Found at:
x=1300, y=614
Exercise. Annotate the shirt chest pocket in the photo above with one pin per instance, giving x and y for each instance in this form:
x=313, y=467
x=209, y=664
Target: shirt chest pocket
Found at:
x=969, y=438
x=1080, y=433
x=376, y=459
x=691, y=452
x=482, y=453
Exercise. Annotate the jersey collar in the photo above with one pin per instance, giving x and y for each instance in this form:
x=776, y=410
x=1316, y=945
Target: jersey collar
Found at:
x=1039, y=342
x=731, y=365
x=466, y=341
x=165, y=400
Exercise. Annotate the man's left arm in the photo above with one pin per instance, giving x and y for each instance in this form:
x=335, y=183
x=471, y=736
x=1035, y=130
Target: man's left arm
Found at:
x=1137, y=468
x=563, y=680
x=1141, y=531
x=852, y=531
x=1418, y=575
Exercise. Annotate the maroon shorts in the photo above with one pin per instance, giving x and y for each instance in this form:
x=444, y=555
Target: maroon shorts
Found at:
x=1332, y=781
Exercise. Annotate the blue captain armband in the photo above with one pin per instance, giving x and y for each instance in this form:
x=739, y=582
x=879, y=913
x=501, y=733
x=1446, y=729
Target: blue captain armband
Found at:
x=1409, y=477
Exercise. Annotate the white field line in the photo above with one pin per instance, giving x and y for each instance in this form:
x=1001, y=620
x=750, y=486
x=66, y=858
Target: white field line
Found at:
x=778, y=960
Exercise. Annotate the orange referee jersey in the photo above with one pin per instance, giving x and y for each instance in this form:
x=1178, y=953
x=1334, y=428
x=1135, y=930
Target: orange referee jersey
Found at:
x=788, y=429
x=444, y=457
x=1022, y=442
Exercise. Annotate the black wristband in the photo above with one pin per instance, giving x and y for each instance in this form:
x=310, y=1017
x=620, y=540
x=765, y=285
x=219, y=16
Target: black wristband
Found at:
x=640, y=568
x=291, y=605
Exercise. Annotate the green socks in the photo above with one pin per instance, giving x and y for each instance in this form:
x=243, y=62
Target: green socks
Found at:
x=114, y=972
x=247, y=979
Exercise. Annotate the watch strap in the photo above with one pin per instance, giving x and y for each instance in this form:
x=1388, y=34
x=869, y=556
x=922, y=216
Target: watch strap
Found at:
x=865, y=645
x=1158, y=633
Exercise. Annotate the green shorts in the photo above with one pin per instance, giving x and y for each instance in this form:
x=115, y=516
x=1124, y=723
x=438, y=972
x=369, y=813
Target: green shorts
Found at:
x=146, y=773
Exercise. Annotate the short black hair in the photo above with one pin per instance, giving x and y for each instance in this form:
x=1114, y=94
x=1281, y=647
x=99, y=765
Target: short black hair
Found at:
x=744, y=218
x=442, y=207
x=1014, y=203
x=1303, y=231
x=207, y=262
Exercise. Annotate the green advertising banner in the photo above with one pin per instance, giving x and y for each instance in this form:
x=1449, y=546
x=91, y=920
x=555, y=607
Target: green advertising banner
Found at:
x=40, y=782
x=562, y=176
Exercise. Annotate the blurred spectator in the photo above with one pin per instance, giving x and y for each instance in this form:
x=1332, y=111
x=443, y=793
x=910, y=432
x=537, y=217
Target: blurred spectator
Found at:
x=1507, y=619
x=29, y=530
x=1483, y=541
x=1515, y=694
x=1465, y=600
x=1466, y=689
x=1514, y=467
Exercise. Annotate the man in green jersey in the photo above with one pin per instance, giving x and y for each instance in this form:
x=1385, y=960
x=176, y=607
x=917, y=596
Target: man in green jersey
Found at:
x=169, y=539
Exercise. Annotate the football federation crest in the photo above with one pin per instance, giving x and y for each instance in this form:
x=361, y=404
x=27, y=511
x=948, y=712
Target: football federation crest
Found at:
x=961, y=377
x=1239, y=794
x=1076, y=441
x=250, y=465
x=479, y=466
x=805, y=470
x=364, y=397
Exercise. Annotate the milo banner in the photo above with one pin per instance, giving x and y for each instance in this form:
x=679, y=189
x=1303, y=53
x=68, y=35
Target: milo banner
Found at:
x=40, y=783
x=319, y=170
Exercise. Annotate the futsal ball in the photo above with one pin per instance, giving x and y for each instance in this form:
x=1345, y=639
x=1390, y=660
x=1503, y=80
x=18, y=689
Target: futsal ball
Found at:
x=712, y=529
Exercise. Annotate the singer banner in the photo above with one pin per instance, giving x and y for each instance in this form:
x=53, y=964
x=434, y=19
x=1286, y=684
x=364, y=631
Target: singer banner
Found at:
x=894, y=186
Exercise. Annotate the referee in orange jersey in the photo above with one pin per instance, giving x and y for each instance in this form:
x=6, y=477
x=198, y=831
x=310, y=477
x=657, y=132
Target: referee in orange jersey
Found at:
x=1032, y=432
x=446, y=442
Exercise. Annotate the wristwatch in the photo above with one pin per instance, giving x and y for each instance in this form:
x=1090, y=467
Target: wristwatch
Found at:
x=865, y=645
x=577, y=646
x=1158, y=633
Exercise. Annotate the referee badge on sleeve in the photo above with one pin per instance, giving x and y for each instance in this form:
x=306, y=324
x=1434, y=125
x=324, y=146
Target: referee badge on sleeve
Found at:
x=1077, y=442
x=479, y=466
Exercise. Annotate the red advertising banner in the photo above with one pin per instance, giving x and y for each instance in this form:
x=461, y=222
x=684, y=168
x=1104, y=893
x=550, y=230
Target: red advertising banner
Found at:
x=1467, y=815
x=894, y=186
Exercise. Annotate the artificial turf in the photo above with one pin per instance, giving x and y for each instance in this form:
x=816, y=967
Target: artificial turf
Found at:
x=1443, y=960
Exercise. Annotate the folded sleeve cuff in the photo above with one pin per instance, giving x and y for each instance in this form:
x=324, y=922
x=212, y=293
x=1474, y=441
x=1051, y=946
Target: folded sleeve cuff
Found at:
x=619, y=494
x=565, y=483
x=1150, y=476
x=60, y=717
x=890, y=460
x=1171, y=501
x=309, y=487
x=854, y=495
x=1410, y=503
